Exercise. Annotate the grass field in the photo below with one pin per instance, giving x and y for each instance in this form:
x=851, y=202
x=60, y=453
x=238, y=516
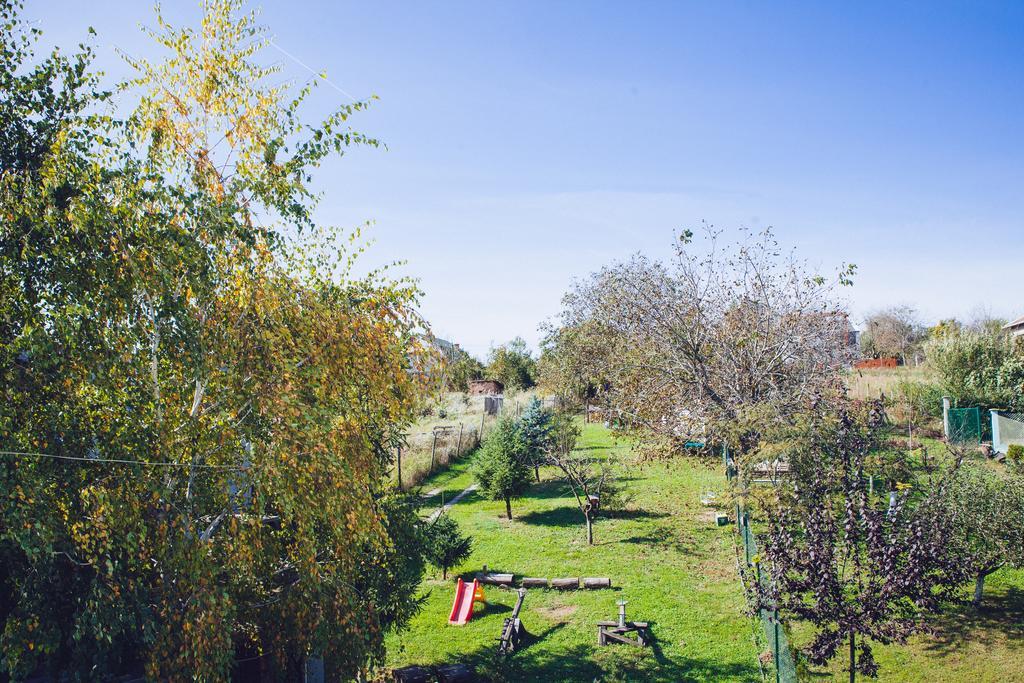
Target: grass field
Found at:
x=664, y=556
x=461, y=413
x=968, y=645
x=873, y=382
x=676, y=570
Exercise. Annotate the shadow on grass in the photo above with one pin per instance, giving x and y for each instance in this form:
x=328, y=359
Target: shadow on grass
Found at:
x=1000, y=619
x=571, y=516
x=668, y=538
x=548, y=489
x=556, y=487
x=611, y=663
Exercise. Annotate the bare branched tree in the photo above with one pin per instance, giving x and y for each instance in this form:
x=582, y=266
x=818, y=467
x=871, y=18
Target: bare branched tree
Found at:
x=895, y=332
x=585, y=473
x=683, y=349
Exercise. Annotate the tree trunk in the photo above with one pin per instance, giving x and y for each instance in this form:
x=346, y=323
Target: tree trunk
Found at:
x=536, y=471
x=444, y=573
x=508, y=507
x=853, y=661
x=590, y=530
x=979, y=587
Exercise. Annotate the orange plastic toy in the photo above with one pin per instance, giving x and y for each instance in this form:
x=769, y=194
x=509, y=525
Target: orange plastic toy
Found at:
x=466, y=594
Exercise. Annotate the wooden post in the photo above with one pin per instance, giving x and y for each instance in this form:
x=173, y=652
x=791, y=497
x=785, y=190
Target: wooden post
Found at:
x=399, y=468
x=483, y=414
x=433, y=447
x=458, y=448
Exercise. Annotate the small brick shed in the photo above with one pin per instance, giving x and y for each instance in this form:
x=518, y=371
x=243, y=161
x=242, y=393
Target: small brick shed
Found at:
x=486, y=387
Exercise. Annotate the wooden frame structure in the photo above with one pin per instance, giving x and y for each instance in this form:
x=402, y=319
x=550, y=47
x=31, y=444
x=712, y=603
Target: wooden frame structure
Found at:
x=609, y=632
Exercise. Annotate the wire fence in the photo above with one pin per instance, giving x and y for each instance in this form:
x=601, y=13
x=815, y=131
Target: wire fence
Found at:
x=964, y=426
x=434, y=447
x=782, y=662
x=428, y=452
x=1007, y=430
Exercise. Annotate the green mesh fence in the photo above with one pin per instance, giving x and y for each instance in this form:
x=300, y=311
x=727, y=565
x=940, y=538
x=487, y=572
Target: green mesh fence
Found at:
x=782, y=666
x=964, y=426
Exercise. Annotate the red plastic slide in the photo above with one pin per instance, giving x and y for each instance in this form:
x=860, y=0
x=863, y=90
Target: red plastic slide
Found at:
x=465, y=595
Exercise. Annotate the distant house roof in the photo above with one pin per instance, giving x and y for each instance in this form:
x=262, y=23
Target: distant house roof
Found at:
x=1015, y=324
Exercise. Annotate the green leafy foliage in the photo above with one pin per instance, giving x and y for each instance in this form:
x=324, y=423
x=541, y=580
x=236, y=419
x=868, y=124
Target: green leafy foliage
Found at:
x=988, y=508
x=446, y=545
x=501, y=469
x=201, y=402
x=1015, y=453
x=923, y=398
x=980, y=368
x=513, y=365
x=460, y=368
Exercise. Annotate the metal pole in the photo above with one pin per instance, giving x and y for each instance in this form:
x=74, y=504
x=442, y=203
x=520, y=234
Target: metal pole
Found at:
x=622, y=613
x=775, y=620
x=433, y=447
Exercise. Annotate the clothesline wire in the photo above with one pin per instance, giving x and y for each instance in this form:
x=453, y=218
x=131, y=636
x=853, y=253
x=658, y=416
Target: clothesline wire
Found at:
x=119, y=461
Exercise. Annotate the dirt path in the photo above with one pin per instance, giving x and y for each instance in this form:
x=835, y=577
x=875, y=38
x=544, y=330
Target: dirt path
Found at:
x=437, y=513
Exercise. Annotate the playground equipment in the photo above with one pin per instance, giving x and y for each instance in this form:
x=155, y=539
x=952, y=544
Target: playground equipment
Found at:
x=466, y=594
x=504, y=580
x=616, y=631
x=512, y=630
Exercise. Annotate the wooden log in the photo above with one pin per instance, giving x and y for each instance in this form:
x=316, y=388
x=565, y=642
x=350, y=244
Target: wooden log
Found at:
x=455, y=673
x=566, y=584
x=496, y=579
x=534, y=582
x=595, y=582
x=412, y=674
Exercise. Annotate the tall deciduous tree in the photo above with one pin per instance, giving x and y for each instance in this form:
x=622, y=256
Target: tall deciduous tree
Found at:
x=686, y=348
x=199, y=398
x=512, y=364
x=894, y=332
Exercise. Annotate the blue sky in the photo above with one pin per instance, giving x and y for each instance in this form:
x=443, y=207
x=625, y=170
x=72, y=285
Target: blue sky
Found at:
x=530, y=143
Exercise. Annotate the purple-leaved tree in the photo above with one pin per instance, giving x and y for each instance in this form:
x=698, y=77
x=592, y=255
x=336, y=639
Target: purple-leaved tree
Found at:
x=844, y=559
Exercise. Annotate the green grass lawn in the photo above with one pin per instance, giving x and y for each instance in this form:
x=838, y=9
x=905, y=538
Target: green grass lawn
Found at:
x=968, y=645
x=664, y=555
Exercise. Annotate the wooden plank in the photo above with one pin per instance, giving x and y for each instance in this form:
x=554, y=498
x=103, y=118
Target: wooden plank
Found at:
x=621, y=638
